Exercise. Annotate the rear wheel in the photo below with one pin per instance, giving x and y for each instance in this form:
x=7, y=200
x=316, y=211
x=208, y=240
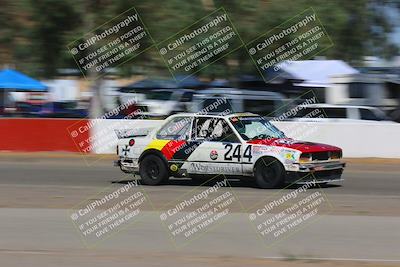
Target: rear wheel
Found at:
x=153, y=170
x=269, y=173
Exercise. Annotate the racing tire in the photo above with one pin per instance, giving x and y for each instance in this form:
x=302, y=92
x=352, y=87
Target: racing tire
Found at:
x=153, y=170
x=269, y=173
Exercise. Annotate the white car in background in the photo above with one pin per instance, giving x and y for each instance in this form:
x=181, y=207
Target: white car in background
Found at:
x=340, y=113
x=165, y=102
x=159, y=102
x=264, y=103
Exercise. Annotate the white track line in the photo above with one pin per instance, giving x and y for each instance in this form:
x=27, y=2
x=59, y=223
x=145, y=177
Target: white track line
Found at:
x=330, y=259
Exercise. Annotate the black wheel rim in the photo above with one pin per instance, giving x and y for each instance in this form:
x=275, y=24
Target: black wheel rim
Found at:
x=152, y=170
x=268, y=173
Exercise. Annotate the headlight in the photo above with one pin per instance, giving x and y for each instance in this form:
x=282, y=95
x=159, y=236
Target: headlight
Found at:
x=336, y=154
x=305, y=157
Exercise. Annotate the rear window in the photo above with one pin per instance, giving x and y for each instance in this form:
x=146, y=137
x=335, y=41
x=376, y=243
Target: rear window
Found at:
x=176, y=129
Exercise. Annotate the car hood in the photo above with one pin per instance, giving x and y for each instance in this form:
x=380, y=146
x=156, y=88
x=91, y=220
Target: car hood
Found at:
x=304, y=147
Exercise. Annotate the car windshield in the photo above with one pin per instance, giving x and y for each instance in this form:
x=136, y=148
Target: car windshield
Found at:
x=255, y=127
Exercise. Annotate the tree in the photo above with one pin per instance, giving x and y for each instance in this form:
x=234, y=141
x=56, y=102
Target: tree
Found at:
x=34, y=33
x=51, y=20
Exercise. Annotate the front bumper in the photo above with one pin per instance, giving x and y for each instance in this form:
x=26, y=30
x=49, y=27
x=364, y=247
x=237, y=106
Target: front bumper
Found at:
x=322, y=166
x=322, y=172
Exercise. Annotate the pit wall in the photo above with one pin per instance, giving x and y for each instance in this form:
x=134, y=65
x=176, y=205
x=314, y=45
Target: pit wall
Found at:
x=36, y=135
x=358, y=140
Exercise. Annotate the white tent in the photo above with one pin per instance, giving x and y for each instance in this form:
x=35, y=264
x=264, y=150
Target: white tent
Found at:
x=316, y=73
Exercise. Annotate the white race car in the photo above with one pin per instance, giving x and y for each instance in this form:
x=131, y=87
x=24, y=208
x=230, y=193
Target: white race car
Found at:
x=236, y=145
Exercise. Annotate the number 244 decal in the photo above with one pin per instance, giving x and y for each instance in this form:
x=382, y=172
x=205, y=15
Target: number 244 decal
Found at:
x=234, y=152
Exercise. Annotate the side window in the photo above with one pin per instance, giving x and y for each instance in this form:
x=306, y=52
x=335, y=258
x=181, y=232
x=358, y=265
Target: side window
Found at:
x=335, y=113
x=202, y=126
x=357, y=90
x=367, y=114
x=212, y=129
x=176, y=129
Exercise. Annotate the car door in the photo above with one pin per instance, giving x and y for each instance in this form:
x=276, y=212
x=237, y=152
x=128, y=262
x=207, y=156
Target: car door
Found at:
x=218, y=150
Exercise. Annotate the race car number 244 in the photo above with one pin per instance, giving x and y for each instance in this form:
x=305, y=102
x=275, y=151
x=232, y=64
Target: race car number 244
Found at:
x=233, y=152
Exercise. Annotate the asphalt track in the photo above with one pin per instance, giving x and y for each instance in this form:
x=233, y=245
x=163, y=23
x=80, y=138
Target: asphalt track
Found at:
x=37, y=193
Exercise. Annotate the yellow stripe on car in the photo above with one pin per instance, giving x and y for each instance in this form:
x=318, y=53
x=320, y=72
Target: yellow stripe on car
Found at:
x=157, y=144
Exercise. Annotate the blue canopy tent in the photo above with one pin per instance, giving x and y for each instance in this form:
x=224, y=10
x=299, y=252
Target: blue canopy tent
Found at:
x=17, y=81
x=12, y=80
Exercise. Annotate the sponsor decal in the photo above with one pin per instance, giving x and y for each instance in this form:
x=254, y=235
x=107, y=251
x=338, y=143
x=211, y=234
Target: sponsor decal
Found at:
x=173, y=167
x=289, y=156
x=257, y=150
x=213, y=154
x=208, y=168
x=126, y=150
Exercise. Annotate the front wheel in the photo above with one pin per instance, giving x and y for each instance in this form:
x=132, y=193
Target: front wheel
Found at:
x=269, y=173
x=153, y=170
